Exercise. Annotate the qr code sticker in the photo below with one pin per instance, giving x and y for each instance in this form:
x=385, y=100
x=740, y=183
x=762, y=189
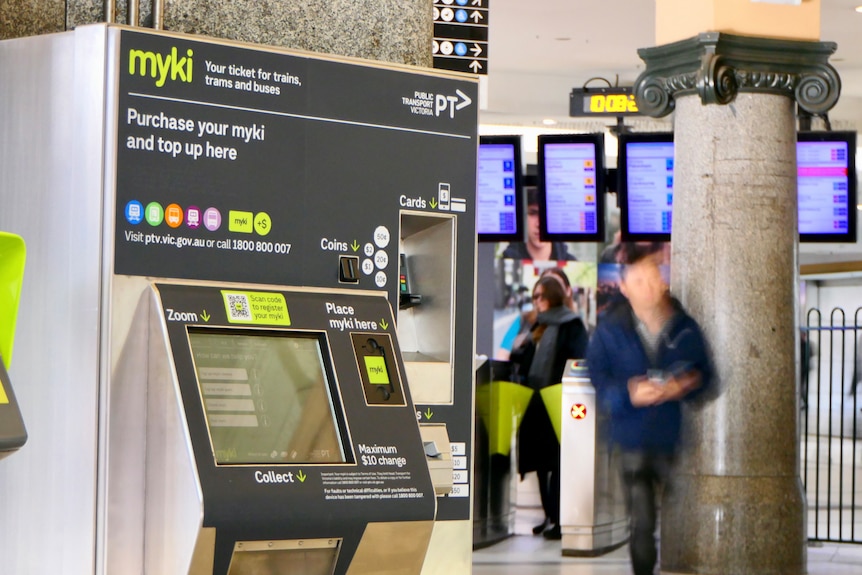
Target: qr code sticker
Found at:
x=238, y=308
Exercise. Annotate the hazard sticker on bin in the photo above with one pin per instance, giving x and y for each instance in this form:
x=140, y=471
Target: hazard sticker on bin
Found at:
x=579, y=411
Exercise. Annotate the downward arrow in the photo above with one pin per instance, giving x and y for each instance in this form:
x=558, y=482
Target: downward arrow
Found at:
x=433, y=203
x=383, y=324
x=428, y=413
x=205, y=316
x=354, y=246
x=301, y=476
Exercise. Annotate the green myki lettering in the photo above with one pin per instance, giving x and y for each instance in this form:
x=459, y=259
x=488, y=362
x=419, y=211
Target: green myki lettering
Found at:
x=181, y=67
x=146, y=61
x=159, y=66
x=164, y=64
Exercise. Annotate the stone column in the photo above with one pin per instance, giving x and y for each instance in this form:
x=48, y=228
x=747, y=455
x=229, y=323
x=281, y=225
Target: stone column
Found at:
x=736, y=505
x=398, y=32
x=30, y=17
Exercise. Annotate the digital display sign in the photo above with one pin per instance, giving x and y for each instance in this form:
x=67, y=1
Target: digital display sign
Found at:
x=571, y=187
x=826, y=180
x=646, y=186
x=267, y=397
x=499, y=204
x=826, y=186
x=602, y=102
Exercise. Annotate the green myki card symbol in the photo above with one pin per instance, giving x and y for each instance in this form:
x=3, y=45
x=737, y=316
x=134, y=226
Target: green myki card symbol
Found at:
x=242, y=222
x=262, y=223
x=154, y=214
x=375, y=367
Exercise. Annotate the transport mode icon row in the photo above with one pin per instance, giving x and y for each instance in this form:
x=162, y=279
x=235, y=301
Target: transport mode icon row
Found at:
x=194, y=217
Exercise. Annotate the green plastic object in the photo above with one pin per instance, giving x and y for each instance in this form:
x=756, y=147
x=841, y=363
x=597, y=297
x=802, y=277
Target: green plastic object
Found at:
x=552, y=396
x=501, y=406
x=12, y=255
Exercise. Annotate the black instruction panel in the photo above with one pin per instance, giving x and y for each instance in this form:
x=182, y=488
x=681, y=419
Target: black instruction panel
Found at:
x=246, y=164
x=235, y=164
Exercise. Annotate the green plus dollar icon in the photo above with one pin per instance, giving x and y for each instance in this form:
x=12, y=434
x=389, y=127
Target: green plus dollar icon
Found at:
x=262, y=223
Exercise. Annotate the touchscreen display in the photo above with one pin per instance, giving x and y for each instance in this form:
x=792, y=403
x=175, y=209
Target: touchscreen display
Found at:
x=267, y=397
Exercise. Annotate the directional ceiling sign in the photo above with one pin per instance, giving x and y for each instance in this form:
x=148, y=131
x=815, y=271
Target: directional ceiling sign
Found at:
x=461, y=35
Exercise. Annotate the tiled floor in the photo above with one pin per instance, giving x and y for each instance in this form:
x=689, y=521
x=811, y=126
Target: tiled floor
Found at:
x=830, y=516
x=524, y=554
x=529, y=555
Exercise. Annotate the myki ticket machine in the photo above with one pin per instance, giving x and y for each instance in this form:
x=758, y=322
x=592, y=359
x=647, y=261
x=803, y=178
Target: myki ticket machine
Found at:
x=280, y=436
x=248, y=269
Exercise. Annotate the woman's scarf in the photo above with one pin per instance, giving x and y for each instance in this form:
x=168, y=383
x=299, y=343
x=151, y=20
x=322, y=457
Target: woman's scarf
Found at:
x=540, y=374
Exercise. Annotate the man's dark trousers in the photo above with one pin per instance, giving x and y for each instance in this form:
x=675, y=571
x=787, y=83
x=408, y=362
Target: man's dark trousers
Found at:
x=643, y=472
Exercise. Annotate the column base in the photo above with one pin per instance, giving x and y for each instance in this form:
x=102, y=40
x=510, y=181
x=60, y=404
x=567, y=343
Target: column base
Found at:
x=722, y=525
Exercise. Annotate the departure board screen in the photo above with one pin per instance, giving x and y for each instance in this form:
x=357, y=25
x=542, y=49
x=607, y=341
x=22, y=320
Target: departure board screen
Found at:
x=267, y=397
x=826, y=186
x=571, y=187
x=499, y=211
x=826, y=179
x=646, y=186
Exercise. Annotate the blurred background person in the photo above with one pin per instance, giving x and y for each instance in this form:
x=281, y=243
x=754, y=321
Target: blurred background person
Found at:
x=520, y=328
x=557, y=335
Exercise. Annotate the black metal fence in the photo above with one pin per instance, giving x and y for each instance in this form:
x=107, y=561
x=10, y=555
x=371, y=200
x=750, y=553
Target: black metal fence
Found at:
x=831, y=352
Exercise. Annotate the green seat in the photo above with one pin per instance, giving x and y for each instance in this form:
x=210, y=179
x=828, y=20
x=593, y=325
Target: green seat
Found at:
x=12, y=432
x=12, y=255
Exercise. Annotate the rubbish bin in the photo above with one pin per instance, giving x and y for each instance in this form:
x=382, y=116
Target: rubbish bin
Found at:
x=592, y=508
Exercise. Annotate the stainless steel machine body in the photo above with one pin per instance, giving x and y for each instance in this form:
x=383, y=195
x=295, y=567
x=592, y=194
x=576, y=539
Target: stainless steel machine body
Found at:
x=106, y=455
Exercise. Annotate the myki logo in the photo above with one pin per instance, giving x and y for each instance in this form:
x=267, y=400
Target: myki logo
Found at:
x=444, y=104
x=159, y=66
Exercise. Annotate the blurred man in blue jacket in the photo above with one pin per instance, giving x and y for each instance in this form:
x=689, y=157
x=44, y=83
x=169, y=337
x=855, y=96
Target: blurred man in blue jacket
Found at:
x=645, y=357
